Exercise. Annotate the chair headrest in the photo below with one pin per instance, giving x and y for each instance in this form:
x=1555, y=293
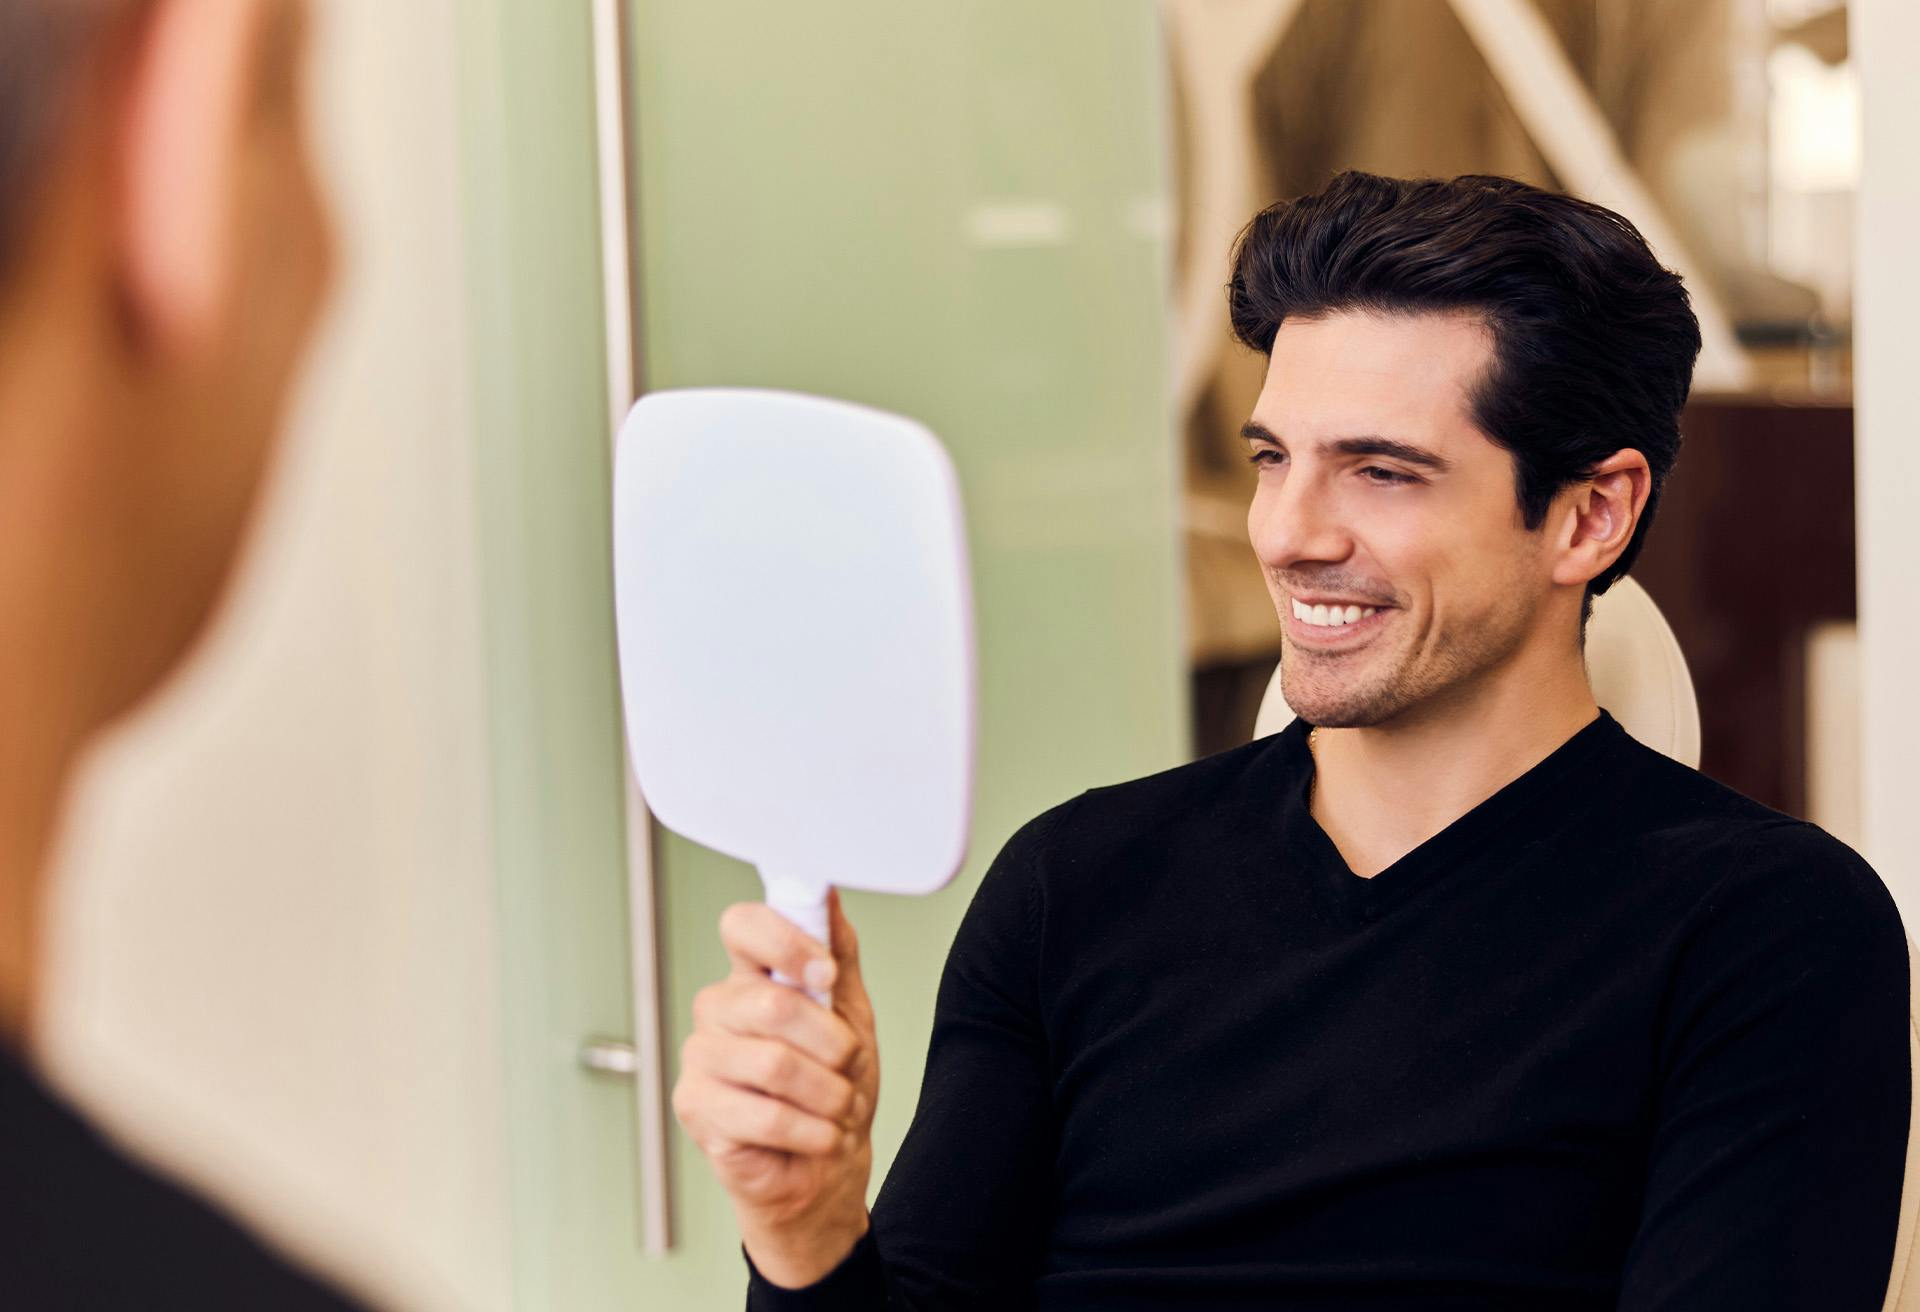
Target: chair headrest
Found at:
x=1635, y=665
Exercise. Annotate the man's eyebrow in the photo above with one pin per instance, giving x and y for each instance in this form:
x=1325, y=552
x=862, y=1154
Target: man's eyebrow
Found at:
x=1367, y=445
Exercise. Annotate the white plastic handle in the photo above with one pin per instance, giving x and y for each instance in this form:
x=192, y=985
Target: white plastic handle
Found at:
x=805, y=904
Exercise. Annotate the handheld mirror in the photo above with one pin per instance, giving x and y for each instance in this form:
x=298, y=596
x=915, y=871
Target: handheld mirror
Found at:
x=794, y=613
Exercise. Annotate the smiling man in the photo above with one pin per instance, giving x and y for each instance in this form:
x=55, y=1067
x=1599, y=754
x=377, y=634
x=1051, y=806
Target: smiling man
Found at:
x=1450, y=995
x=1433, y=581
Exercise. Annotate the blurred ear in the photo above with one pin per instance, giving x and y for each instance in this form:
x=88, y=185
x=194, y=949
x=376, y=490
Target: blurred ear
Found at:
x=186, y=105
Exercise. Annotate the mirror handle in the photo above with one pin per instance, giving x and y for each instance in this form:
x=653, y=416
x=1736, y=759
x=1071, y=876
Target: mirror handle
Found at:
x=805, y=904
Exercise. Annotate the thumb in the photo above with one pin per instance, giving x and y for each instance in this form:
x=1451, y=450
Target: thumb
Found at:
x=846, y=944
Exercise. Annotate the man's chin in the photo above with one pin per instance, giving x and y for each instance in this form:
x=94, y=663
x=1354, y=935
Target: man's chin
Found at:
x=1338, y=707
x=1344, y=718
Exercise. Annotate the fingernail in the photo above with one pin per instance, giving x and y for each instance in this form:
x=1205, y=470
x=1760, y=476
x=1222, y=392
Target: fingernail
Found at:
x=819, y=974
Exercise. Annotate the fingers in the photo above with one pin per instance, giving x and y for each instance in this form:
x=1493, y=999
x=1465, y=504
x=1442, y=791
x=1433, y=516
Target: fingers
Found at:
x=772, y=1068
x=717, y=1114
x=756, y=1007
x=759, y=939
x=778, y=1091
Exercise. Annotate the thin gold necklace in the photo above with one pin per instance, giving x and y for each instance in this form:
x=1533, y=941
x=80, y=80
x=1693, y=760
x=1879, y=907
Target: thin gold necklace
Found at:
x=1313, y=780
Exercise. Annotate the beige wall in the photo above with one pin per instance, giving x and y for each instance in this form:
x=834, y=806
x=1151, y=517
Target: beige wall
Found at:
x=1885, y=37
x=276, y=964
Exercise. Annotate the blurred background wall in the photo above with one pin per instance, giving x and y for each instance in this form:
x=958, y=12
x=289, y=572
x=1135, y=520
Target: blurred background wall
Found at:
x=1887, y=33
x=958, y=212
x=276, y=958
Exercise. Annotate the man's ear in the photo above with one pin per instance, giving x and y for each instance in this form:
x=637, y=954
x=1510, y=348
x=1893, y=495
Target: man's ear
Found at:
x=185, y=108
x=1600, y=513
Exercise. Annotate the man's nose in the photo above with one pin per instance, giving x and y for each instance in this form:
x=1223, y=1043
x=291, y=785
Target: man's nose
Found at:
x=1294, y=520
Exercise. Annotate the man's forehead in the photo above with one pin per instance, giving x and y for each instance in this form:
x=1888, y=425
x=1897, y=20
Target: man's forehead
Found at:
x=1406, y=375
x=1422, y=346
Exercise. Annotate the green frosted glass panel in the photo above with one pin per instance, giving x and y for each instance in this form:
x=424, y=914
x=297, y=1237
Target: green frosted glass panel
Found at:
x=954, y=211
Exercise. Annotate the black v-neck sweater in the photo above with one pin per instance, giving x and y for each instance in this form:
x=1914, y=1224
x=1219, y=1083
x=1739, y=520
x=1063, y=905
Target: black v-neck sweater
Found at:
x=1619, y=1037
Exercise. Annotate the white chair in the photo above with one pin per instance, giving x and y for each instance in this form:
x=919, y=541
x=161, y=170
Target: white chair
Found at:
x=1641, y=678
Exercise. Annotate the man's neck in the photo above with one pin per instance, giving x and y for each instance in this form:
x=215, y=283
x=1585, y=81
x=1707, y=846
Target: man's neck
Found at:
x=1383, y=790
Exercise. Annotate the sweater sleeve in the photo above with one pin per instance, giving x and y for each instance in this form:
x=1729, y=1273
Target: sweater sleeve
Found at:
x=1780, y=1126
x=962, y=1218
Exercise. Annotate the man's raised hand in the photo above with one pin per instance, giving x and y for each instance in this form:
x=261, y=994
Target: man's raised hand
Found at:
x=779, y=1091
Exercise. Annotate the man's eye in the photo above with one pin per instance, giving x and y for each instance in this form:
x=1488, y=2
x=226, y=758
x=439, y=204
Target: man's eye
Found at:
x=1386, y=475
x=1261, y=458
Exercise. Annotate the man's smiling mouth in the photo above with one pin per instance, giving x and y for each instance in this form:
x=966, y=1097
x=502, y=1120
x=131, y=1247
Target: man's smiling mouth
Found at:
x=1333, y=623
x=1330, y=616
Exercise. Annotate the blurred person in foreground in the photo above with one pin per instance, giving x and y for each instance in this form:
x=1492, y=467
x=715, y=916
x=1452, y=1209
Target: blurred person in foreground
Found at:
x=1449, y=995
x=164, y=253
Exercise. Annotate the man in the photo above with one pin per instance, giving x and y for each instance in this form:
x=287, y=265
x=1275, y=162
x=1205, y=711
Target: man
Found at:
x=163, y=255
x=1449, y=995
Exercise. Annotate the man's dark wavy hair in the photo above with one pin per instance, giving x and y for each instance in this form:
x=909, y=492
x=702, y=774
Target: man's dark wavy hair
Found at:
x=1593, y=341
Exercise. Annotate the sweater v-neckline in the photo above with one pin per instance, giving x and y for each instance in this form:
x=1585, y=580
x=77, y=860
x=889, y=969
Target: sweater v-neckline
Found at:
x=1478, y=831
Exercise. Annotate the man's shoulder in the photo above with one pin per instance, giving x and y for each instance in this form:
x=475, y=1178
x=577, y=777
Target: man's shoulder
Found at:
x=1117, y=818
x=1682, y=825
x=1179, y=785
x=1678, y=807
x=70, y=1194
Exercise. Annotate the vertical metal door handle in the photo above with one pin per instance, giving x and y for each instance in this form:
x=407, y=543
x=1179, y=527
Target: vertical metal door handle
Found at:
x=613, y=104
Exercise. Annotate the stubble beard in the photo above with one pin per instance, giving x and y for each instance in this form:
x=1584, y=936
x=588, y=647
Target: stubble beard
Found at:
x=1370, y=686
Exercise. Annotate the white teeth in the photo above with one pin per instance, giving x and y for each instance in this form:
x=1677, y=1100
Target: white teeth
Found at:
x=1330, y=617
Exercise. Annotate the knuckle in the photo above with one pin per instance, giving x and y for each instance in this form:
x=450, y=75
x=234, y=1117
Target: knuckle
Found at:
x=703, y=1004
x=777, y=1066
x=842, y=1097
x=738, y=926
x=702, y=1051
x=734, y=921
x=770, y=1120
x=774, y=1006
x=683, y=1103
